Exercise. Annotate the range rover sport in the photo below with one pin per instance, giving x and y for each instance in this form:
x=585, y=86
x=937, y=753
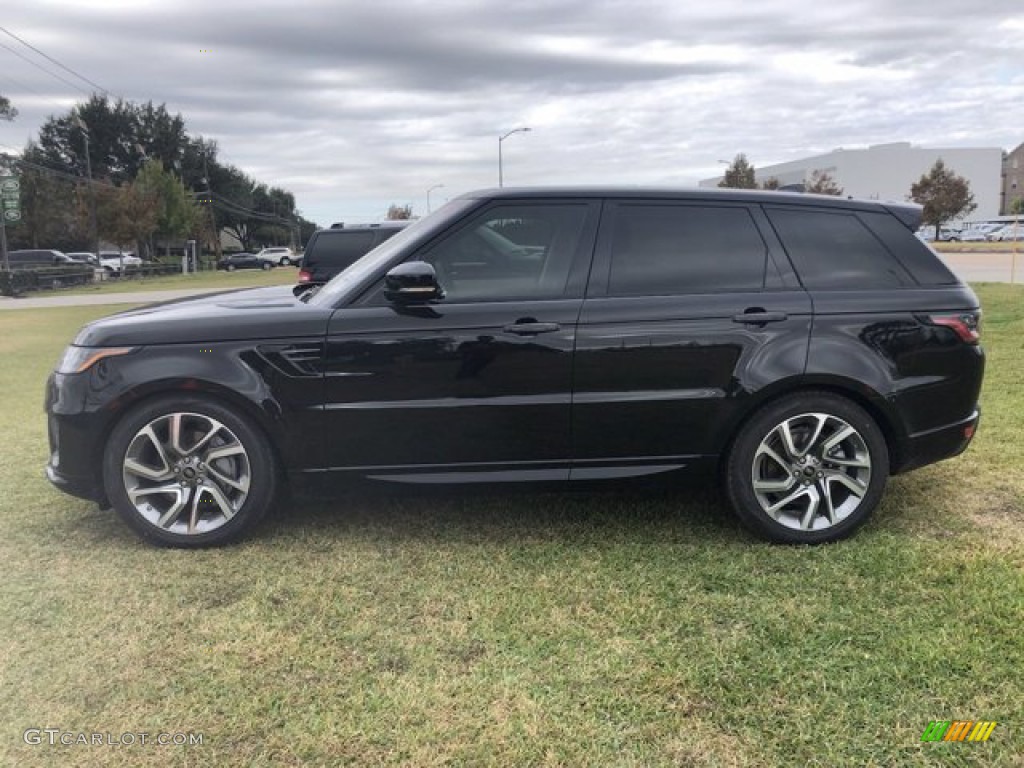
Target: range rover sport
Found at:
x=803, y=348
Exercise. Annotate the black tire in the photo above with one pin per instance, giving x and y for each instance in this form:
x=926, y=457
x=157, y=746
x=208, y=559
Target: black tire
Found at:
x=801, y=413
x=285, y=261
x=261, y=473
x=230, y=267
x=266, y=265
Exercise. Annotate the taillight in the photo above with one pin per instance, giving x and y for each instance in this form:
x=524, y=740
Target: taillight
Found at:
x=966, y=325
x=304, y=276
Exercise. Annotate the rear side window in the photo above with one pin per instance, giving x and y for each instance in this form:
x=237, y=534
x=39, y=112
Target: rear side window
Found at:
x=660, y=250
x=916, y=257
x=339, y=248
x=835, y=251
x=386, y=233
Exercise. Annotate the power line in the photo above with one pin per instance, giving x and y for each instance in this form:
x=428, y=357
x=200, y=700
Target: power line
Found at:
x=19, y=84
x=44, y=69
x=53, y=60
x=53, y=171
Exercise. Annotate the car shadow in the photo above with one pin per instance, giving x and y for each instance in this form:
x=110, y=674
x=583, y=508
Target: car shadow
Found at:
x=489, y=516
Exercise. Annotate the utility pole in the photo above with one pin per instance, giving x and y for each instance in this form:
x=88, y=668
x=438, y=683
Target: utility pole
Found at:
x=77, y=119
x=209, y=202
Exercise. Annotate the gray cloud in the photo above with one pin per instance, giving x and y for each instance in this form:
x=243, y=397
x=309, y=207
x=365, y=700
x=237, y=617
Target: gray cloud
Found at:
x=355, y=105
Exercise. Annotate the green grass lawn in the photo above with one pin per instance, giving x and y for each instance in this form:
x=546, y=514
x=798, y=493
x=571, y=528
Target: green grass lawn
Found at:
x=542, y=629
x=243, y=278
x=1009, y=246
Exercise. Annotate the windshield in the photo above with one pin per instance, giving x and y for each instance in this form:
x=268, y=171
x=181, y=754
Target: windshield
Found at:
x=352, y=279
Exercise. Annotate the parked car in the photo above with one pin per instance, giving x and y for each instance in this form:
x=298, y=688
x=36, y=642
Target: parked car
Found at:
x=108, y=260
x=279, y=256
x=330, y=251
x=946, y=234
x=971, y=236
x=1007, y=233
x=231, y=262
x=802, y=349
x=40, y=257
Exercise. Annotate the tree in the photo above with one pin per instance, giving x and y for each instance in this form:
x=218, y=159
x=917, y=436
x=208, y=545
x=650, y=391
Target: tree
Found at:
x=49, y=214
x=127, y=214
x=176, y=209
x=739, y=175
x=770, y=183
x=944, y=195
x=7, y=112
x=822, y=183
x=1017, y=206
x=399, y=212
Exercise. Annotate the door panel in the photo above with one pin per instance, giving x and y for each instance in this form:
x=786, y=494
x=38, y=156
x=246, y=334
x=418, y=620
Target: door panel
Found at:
x=657, y=378
x=688, y=315
x=481, y=380
x=446, y=385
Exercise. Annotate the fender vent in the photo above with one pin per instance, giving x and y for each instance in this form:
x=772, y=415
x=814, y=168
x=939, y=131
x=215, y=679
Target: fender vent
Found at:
x=295, y=360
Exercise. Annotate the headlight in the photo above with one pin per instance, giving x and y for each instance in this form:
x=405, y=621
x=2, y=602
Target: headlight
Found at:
x=81, y=359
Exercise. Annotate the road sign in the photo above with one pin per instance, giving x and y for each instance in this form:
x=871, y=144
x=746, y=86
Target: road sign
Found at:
x=10, y=199
x=10, y=187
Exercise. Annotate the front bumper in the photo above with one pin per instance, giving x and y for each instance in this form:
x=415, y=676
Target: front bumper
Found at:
x=934, y=445
x=75, y=440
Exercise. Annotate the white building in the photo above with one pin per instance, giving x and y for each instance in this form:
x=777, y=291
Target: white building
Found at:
x=887, y=171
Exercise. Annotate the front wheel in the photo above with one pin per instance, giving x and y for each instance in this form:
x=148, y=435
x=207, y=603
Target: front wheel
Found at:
x=807, y=469
x=184, y=471
x=266, y=265
x=285, y=261
x=230, y=267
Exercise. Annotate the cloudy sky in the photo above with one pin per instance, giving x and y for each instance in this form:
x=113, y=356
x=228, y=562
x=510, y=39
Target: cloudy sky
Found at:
x=352, y=104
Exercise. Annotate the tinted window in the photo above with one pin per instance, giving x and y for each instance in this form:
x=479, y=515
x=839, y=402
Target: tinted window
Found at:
x=510, y=252
x=386, y=233
x=338, y=248
x=916, y=257
x=676, y=249
x=835, y=251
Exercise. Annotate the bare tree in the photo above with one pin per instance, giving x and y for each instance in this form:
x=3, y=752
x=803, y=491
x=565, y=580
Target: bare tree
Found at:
x=399, y=212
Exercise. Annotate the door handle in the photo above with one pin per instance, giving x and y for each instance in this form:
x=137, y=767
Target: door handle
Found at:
x=531, y=329
x=760, y=318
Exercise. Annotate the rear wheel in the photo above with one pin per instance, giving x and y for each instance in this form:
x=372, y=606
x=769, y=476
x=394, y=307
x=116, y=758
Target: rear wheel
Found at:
x=807, y=469
x=184, y=471
x=285, y=261
x=230, y=267
x=266, y=265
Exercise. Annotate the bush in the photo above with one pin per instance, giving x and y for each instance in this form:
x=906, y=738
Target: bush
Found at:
x=15, y=283
x=18, y=281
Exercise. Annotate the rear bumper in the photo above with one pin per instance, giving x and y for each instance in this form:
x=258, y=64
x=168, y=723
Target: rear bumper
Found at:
x=934, y=445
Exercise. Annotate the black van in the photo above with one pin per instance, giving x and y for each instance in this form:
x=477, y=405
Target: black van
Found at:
x=330, y=251
x=31, y=259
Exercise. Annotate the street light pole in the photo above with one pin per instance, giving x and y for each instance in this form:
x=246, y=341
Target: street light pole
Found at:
x=501, y=179
x=92, y=187
x=436, y=186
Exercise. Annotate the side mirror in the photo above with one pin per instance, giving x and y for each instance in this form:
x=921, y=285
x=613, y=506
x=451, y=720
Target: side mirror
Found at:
x=414, y=282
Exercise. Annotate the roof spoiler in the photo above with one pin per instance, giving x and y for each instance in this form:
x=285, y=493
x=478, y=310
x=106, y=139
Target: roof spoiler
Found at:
x=908, y=213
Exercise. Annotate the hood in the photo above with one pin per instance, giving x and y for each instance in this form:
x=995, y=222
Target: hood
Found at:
x=258, y=313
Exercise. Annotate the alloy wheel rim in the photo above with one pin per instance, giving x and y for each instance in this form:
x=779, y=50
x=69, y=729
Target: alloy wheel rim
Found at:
x=811, y=472
x=186, y=473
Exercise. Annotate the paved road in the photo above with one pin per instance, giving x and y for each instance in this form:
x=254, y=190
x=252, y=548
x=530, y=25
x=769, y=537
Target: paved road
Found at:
x=972, y=267
x=985, y=267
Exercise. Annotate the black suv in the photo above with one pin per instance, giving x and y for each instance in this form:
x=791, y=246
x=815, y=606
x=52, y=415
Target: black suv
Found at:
x=804, y=347
x=331, y=251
